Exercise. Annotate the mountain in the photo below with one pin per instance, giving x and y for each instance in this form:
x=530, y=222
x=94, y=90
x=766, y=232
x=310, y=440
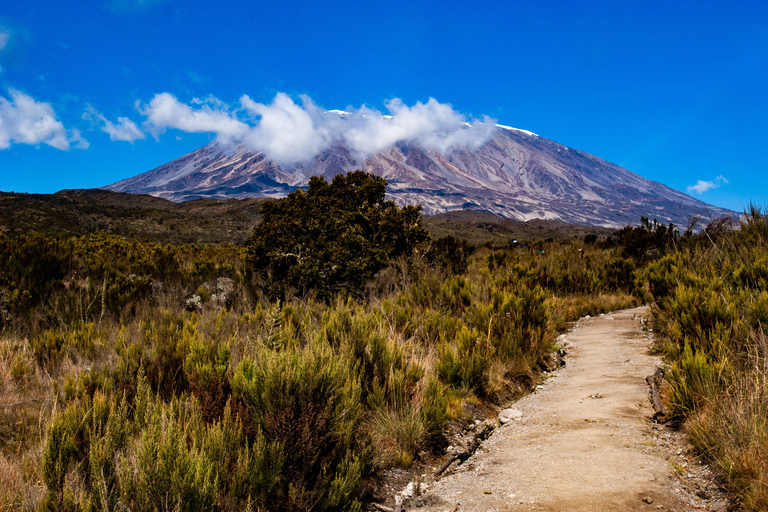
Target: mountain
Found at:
x=516, y=174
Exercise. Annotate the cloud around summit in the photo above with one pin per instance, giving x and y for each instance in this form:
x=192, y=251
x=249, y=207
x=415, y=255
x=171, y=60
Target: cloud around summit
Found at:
x=290, y=132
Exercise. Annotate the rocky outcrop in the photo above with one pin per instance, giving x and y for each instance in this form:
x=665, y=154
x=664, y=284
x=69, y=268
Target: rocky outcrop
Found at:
x=218, y=293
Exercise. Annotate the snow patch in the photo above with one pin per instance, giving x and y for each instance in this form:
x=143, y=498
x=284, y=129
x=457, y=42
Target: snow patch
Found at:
x=517, y=130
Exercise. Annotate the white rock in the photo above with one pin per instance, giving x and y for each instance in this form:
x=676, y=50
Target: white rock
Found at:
x=508, y=415
x=413, y=489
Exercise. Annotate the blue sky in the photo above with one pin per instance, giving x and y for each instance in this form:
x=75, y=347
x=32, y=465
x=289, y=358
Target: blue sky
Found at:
x=674, y=91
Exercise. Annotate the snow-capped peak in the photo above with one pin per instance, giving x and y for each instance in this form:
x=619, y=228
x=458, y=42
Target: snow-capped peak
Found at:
x=517, y=130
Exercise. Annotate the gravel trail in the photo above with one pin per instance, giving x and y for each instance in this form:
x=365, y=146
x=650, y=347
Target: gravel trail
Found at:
x=585, y=440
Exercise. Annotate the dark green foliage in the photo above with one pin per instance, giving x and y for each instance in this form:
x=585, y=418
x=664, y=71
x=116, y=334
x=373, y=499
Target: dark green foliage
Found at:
x=649, y=240
x=451, y=254
x=32, y=268
x=620, y=274
x=332, y=237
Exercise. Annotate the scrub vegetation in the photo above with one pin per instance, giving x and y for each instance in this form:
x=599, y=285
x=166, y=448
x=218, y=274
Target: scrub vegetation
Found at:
x=710, y=311
x=293, y=392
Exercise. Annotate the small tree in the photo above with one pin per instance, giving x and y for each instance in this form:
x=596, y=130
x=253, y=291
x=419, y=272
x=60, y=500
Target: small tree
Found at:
x=333, y=236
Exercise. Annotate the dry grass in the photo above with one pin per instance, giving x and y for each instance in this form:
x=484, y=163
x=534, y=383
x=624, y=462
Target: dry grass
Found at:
x=25, y=399
x=733, y=433
x=733, y=430
x=397, y=433
x=569, y=308
x=21, y=484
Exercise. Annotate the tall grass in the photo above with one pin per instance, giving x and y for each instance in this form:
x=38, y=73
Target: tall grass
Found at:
x=710, y=312
x=133, y=401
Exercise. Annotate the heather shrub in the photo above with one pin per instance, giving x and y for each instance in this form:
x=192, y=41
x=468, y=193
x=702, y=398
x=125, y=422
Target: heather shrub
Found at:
x=308, y=402
x=710, y=307
x=465, y=362
x=450, y=254
x=162, y=467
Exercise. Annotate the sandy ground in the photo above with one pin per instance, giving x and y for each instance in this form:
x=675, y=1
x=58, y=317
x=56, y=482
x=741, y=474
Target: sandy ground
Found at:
x=585, y=440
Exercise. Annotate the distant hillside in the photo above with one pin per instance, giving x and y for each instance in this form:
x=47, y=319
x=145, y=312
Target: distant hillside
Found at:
x=481, y=227
x=207, y=221
x=87, y=211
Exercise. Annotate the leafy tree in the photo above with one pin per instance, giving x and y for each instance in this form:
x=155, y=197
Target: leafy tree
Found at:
x=331, y=237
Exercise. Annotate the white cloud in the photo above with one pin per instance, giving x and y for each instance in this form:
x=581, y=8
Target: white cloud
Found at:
x=124, y=130
x=4, y=36
x=77, y=139
x=286, y=132
x=165, y=111
x=703, y=186
x=290, y=133
x=26, y=121
x=433, y=125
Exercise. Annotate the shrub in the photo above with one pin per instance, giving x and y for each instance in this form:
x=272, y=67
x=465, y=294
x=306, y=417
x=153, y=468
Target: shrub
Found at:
x=709, y=312
x=331, y=237
x=465, y=362
x=308, y=402
x=451, y=254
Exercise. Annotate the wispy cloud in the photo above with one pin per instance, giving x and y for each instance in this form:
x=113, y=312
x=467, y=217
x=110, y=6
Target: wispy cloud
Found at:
x=290, y=133
x=23, y=120
x=5, y=36
x=124, y=130
x=703, y=186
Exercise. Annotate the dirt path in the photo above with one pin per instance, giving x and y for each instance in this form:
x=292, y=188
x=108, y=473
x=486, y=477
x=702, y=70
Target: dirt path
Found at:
x=584, y=441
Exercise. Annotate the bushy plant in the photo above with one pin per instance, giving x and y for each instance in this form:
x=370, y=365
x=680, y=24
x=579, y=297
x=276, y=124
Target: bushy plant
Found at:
x=308, y=402
x=710, y=304
x=332, y=237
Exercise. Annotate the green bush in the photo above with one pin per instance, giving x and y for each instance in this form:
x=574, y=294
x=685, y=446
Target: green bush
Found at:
x=308, y=402
x=332, y=237
x=465, y=362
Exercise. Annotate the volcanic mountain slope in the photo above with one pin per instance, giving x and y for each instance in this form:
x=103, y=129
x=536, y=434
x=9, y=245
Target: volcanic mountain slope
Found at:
x=516, y=174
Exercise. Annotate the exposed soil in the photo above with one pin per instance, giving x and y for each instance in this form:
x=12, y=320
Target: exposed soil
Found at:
x=584, y=441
